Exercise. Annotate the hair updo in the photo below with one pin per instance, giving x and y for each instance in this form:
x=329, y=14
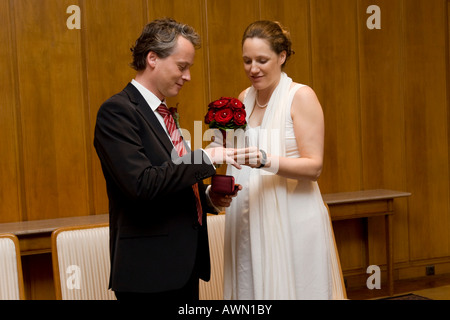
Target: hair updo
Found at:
x=278, y=36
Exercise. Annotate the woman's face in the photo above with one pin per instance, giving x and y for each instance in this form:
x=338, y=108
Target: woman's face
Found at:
x=262, y=65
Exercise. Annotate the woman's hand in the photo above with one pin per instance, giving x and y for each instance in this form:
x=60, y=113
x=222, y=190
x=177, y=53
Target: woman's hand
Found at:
x=252, y=157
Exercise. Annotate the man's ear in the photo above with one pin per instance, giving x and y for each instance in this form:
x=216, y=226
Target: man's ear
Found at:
x=152, y=57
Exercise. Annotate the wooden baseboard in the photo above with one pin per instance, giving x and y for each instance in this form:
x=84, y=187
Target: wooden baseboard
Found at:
x=356, y=278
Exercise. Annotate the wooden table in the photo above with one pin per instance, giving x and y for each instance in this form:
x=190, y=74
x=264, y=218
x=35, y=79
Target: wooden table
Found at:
x=367, y=204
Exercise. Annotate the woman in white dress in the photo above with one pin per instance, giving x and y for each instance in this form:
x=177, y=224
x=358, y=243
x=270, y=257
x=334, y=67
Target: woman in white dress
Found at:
x=278, y=237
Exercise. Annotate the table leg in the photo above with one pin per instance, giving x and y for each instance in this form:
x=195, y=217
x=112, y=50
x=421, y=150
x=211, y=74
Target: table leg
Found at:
x=389, y=253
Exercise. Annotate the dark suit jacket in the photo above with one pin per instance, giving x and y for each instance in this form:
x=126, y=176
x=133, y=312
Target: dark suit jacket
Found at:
x=154, y=233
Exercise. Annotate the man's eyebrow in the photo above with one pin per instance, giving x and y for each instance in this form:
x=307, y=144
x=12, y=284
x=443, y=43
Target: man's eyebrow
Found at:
x=184, y=62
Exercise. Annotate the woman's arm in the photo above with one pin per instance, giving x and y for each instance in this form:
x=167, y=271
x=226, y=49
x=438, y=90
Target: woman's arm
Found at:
x=309, y=130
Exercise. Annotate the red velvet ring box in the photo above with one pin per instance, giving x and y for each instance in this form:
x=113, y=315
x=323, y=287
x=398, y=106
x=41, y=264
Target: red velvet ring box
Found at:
x=223, y=184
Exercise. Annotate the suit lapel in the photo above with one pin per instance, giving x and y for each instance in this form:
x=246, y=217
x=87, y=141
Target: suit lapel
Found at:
x=144, y=109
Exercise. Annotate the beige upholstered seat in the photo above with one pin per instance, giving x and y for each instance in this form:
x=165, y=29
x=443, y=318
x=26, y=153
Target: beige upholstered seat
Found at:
x=213, y=290
x=11, y=279
x=81, y=263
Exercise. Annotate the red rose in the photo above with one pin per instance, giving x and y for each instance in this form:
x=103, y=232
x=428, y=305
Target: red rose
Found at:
x=223, y=116
x=218, y=104
x=210, y=115
x=236, y=104
x=239, y=117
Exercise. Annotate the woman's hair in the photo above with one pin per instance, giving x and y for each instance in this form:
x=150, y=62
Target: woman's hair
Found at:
x=272, y=31
x=160, y=36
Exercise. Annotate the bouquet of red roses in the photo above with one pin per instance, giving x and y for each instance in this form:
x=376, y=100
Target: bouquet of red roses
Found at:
x=226, y=113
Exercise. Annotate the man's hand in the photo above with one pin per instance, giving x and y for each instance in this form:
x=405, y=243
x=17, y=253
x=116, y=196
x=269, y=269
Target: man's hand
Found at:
x=220, y=200
x=220, y=155
x=249, y=156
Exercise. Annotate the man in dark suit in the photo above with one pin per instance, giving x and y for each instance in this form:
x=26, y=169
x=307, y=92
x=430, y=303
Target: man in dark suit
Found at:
x=158, y=203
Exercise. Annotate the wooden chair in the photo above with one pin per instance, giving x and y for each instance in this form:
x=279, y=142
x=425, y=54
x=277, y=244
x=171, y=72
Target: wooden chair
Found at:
x=213, y=290
x=81, y=262
x=339, y=291
x=11, y=277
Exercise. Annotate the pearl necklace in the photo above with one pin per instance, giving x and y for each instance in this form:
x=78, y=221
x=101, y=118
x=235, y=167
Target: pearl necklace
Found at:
x=261, y=106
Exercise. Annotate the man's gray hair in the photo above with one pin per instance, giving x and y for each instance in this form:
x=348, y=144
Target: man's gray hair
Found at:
x=160, y=36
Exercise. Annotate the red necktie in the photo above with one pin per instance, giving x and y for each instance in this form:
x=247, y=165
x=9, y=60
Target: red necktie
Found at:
x=177, y=141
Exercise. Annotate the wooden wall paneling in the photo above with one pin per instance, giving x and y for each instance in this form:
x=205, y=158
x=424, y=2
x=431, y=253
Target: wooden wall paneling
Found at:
x=10, y=161
x=426, y=114
x=227, y=21
x=50, y=82
x=193, y=99
x=335, y=76
x=336, y=82
x=448, y=92
x=109, y=31
x=294, y=15
x=38, y=277
x=352, y=250
x=383, y=148
x=385, y=95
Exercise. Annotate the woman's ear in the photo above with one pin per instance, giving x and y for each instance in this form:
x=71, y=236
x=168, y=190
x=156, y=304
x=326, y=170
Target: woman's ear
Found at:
x=282, y=58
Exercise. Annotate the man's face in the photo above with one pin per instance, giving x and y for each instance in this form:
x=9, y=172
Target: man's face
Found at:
x=174, y=70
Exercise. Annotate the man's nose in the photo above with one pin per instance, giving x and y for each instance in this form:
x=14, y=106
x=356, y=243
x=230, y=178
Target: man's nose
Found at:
x=187, y=75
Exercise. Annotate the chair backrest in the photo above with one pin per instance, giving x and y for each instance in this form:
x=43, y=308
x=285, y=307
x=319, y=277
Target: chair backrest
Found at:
x=11, y=278
x=213, y=290
x=81, y=263
x=339, y=291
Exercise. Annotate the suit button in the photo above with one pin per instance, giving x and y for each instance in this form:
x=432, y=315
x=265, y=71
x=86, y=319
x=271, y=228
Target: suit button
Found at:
x=196, y=226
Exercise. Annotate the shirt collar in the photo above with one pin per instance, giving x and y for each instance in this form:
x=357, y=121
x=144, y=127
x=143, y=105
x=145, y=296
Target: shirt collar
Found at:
x=152, y=100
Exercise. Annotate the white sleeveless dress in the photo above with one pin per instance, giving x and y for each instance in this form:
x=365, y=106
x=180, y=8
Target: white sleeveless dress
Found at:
x=277, y=254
